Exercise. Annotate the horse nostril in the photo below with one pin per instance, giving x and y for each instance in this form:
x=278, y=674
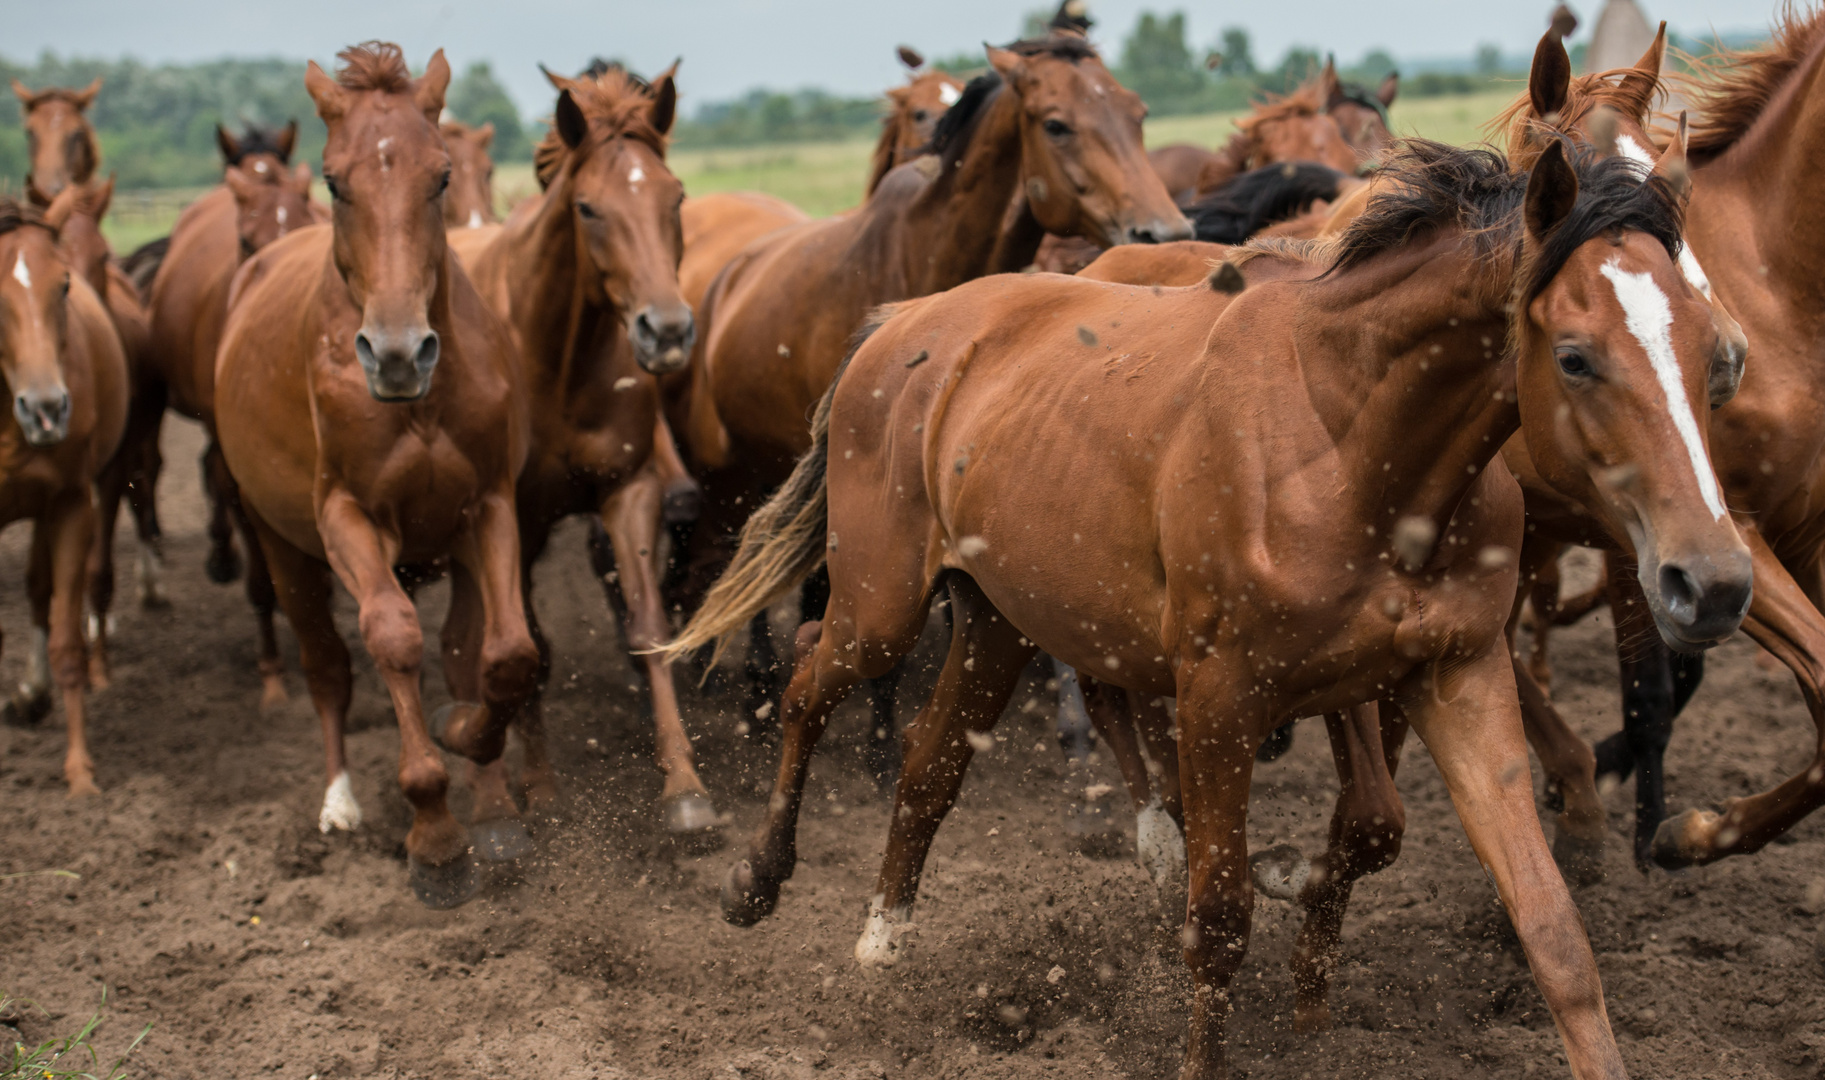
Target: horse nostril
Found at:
x=426, y=356
x=364, y=349
x=1142, y=236
x=1679, y=590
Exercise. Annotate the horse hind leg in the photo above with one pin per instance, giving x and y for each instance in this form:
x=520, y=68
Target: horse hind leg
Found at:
x=223, y=563
x=142, y=499
x=986, y=659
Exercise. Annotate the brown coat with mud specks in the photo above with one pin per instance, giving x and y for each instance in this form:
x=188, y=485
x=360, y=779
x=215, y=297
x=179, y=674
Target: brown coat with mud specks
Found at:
x=370, y=407
x=1267, y=507
x=66, y=379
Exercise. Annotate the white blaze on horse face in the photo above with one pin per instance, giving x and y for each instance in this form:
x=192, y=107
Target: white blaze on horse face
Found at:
x=1688, y=262
x=634, y=176
x=475, y=219
x=340, y=810
x=280, y=214
x=948, y=95
x=386, y=163
x=259, y=166
x=1650, y=319
x=22, y=274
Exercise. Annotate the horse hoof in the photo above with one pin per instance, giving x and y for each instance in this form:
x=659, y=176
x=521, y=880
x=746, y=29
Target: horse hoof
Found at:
x=1580, y=858
x=1680, y=840
x=1277, y=743
x=691, y=818
x=26, y=708
x=1280, y=872
x=154, y=600
x=1093, y=829
x=223, y=565
x=747, y=899
x=98, y=673
x=502, y=840
x=682, y=505
x=273, y=695
x=83, y=787
x=1160, y=845
x=879, y=946
x=444, y=887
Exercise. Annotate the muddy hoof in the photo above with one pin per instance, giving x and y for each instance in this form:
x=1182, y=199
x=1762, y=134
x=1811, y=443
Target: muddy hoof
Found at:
x=691, y=819
x=154, y=600
x=83, y=787
x=444, y=887
x=501, y=840
x=1580, y=858
x=683, y=505
x=746, y=899
x=1160, y=846
x=26, y=708
x=1277, y=743
x=1680, y=839
x=1280, y=872
x=223, y=565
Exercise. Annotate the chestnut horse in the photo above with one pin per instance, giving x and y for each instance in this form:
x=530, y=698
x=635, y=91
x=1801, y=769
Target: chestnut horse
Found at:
x=67, y=379
x=913, y=112
x=261, y=199
x=470, y=201
x=59, y=138
x=1338, y=432
x=369, y=407
x=587, y=273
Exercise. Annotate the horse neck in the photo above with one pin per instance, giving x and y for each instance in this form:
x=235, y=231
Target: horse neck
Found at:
x=1775, y=167
x=1416, y=402
x=951, y=232
x=550, y=309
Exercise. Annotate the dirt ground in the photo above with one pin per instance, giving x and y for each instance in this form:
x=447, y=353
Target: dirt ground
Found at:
x=210, y=906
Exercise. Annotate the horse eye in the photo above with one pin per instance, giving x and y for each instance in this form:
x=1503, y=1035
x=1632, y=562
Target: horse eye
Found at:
x=920, y=115
x=330, y=183
x=586, y=210
x=1058, y=129
x=1573, y=363
x=443, y=184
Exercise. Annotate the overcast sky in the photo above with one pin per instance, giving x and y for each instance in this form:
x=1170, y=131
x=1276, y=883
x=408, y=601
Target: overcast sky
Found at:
x=732, y=45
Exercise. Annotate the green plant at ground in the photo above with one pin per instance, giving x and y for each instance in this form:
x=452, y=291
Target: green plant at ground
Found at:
x=72, y=1057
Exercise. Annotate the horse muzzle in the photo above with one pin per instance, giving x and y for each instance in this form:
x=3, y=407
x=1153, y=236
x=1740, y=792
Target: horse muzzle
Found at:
x=1698, y=601
x=44, y=415
x=663, y=337
x=398, y=363
x=1158, y=231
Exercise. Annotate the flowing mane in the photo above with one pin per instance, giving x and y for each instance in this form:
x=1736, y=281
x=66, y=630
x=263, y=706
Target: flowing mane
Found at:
x=612, y=98
x=1307, y=100
x=1524, y=134
x=1730, y=88
x=1431, y=188
x=374, y=65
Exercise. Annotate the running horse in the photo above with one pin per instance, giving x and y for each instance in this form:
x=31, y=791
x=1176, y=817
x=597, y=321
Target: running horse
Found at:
x=59, y=138
x=587, y=274
x=66, y=376
x=370, y=410
x=470, y=201
x=262, y=198
x=1047, y=122
x=1284, y=509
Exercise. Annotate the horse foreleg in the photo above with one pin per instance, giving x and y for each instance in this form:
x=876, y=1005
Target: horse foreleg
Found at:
x=631, y=517
x=31, y=701
x=986, y=659
x=1087, y=820
x=223, y=563
x=110, y=488
x=1571, y=770
x=437, y=847
x=1468, y=717
x=144, y=427
x=683, y=495
x=69, y=526
x=1783, y=620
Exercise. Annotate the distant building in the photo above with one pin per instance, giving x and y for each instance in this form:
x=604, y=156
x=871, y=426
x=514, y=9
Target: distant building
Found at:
x=1622, y=34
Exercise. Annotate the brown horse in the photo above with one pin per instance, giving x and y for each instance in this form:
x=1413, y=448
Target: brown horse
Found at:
x=1289, y=511
x=261, y=199
x=369, y=407
x=59, y=138
x=913, y=112
x=470, y=201
x=587, y=272
x=1755, y=230
x=67, y=379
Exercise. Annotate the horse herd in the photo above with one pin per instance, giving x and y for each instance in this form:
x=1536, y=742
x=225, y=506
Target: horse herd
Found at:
x=1241, y=467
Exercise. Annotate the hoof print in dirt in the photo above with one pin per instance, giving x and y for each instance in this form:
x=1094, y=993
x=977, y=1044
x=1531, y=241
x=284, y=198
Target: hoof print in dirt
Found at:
x=746, y=900
x=444, y=887
x=501, y=841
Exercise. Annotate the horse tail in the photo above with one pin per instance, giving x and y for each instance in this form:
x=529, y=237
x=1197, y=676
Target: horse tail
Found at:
x=780, y=545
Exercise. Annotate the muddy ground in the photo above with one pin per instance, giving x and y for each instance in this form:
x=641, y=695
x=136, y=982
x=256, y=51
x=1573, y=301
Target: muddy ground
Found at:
x=210, y=907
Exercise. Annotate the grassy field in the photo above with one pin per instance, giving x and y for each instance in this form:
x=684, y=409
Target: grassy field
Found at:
x=824, y=178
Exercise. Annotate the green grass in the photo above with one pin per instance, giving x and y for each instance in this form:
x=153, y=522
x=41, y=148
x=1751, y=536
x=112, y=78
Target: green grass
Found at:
x=72, y=1057
x=824, y=178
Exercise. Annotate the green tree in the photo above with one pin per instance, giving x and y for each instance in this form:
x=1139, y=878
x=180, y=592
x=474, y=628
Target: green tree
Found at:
x=1488, y=59
x=1298, y=65
x=1157, y=64
x=476, y=98
x=1374, y=67
x=1238, y=53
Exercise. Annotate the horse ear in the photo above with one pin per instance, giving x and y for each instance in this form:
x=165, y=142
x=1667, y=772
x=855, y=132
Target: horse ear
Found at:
x=325, y=92
x=1672, y=166
x=287, y=139
x=57, y=215
x=1643, y=80
x=428, y=91
x=23, y=93
x=485, y=135
x=1563, y=21
x=911, y=57
x=572, y=125
x=558, y=82
x=103, y=198
x=238, y=183
x=1549, y=84
x=86, y=96
x=665, y=103
x=1328, y=86
x=228, y=144
x=1007, y=63
x=1388, y=90
x=1552, y=191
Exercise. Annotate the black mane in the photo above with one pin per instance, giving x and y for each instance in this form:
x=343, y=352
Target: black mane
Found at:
x=1431, y=186
x=1250, y=202
x=1358, y=94
x=258, y=140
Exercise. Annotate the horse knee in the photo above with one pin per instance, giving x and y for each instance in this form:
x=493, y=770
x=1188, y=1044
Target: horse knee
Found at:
x=1373, y=838
x=423, y=779
x=391, y=632
x=804, y=643
x=510, y=668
